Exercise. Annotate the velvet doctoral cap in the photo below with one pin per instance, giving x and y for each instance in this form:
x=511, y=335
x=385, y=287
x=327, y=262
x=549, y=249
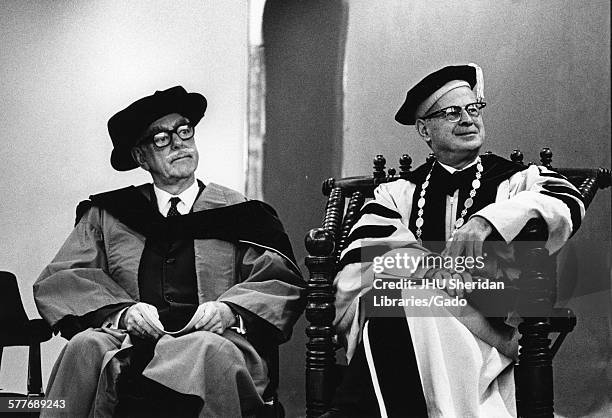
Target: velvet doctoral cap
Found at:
x=127, y=126
x=434, y=86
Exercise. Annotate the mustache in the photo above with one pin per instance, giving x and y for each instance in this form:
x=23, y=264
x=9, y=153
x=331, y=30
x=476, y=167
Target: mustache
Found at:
x=184, y=152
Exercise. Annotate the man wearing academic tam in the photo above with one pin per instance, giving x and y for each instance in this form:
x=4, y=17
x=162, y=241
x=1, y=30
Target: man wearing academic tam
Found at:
x=143, y=261
x=449, y=362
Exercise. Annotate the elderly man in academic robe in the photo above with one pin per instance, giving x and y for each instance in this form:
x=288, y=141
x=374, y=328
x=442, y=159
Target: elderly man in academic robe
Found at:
x=144, y=261
x=442, y=361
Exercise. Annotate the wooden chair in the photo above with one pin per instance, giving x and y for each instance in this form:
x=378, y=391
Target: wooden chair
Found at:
x=536, y=287
x=17, y=330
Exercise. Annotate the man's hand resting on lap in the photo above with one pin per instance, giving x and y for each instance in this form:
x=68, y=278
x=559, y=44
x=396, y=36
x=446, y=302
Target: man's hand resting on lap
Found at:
x=217, y=317
x=134, y=322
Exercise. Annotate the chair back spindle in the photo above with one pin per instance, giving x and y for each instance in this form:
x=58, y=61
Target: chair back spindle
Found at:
x=352, y=214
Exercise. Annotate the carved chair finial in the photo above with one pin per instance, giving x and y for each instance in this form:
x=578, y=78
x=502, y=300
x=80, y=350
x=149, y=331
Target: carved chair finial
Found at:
x=327, y=186
x=546, y=157
x=319, y=242
x=379, y=166
x=405, y=163
x=517, y=157
x=604, y=178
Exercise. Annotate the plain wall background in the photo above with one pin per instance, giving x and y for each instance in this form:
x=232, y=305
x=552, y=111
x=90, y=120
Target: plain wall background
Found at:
x=547, y=83
x=67, y=66
x=546, y=68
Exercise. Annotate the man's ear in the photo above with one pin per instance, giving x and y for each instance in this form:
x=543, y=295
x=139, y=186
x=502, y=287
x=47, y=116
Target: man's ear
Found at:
x=423, y=131
x=138, y=156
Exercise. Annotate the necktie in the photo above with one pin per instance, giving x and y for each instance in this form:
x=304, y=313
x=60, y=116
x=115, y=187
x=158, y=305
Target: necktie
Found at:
x=173, y=211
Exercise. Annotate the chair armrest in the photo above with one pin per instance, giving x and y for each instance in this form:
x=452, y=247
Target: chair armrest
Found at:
x=34, y=331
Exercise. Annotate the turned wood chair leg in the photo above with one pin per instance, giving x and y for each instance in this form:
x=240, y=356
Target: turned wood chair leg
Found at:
x=534, y=374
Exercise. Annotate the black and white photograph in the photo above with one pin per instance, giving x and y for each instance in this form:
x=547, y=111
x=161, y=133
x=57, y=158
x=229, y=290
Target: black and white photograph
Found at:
x=305, y=208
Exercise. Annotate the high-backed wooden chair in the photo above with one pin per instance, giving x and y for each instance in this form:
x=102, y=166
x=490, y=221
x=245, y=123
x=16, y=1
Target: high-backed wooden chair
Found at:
x=535, y=288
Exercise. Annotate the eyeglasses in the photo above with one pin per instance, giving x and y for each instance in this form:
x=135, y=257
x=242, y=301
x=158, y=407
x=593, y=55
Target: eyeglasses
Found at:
x=164, y=138
x=453, y=113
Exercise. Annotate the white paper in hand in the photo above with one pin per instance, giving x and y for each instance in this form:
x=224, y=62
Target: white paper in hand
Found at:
x=152, y=317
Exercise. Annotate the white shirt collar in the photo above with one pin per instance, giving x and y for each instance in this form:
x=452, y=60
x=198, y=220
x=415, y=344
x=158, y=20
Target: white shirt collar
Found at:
x=453, y=169
x=188, y=197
